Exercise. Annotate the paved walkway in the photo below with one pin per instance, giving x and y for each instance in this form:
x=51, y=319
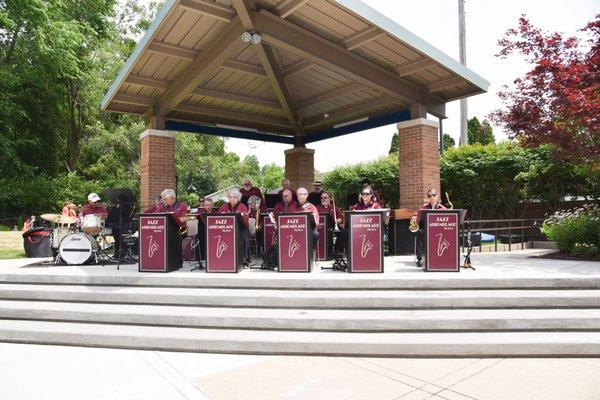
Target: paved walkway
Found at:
x=53, y=372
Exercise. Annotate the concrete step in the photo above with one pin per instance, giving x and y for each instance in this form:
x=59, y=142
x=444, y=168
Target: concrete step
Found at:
x=96, y=275
x=306, y=320
x=322, y=299
x=495, y=344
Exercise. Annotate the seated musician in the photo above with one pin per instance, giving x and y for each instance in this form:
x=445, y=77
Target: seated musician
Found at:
x=376, y=196
x=69, y=209
x=286, y=184
x=154, y=208
x=255, y=219
x=234, y=206
x=93, y=207
x=366, y=200
x=169, y=204
x=337, y=216
x=315, y=196
x=208, y=207
x=248, y=190
x=253, y=214
x=305, y=206
x=432, y=203
x=287, y=205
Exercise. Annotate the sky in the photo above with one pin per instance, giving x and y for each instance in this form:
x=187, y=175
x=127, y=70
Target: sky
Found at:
x=436, y=21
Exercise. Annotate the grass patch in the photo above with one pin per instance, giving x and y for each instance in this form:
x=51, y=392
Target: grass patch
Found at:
x=11, y=245
x=8, y=254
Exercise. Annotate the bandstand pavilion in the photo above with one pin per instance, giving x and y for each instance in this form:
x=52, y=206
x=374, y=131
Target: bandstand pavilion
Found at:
x=287, y=71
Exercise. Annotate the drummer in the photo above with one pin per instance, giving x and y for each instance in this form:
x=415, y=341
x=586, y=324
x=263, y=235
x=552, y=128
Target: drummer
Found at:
x=93, y=207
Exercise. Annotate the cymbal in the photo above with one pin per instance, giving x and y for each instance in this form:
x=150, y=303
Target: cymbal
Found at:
x=59, y=218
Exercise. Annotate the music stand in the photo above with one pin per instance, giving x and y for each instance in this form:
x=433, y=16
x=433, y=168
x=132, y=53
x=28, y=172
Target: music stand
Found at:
x=120, y=213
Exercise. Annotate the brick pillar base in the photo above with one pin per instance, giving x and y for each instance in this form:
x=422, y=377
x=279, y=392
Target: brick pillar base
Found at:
x=157, y=164
x=419, y=161
x=300, y=167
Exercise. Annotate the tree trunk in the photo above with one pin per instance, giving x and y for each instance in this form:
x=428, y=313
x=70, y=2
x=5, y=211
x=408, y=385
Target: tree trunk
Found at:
x=76, y=125
x=13, y=43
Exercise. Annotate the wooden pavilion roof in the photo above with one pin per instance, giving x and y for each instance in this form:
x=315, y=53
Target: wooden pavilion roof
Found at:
x=321, y=65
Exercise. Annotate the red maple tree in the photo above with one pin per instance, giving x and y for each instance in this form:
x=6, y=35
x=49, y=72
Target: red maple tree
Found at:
x=558, y=101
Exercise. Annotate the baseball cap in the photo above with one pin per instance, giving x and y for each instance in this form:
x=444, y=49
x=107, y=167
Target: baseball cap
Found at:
x=93, y=197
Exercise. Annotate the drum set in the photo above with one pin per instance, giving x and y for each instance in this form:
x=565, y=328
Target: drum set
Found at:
x=79, y=241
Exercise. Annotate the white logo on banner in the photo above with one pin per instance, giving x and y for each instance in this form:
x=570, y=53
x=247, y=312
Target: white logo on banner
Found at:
x=442, y=246
x=366, y=246
x=293, y=247
x=221, y=246
x=152, y=246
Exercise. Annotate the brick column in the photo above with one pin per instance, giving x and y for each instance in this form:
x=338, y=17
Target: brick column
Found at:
x=300, y=167
x=157, y=164
x=419, y=161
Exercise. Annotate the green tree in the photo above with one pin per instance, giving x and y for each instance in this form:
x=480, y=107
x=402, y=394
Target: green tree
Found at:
x=448, y=141
x=271, y=176
x=481, y=133
x=394, y=144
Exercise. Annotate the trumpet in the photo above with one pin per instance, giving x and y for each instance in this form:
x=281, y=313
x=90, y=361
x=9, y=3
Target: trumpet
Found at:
x=187, y=217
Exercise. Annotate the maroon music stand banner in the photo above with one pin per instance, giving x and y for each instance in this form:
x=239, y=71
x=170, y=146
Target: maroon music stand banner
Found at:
x=365, y=239
x=322, y=244
x=269, y=232
x=153, y=244
x=294, y=246
x=441, y=240
x=222, y=243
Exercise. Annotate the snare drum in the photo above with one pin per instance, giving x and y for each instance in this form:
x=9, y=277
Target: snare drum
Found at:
x=92, y=224
x=77, y=248
x=58, y=234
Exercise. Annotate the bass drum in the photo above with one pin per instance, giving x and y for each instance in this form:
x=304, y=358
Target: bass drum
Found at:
x=78, y=248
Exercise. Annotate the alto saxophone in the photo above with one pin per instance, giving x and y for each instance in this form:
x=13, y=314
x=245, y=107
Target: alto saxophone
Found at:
x=413, y=226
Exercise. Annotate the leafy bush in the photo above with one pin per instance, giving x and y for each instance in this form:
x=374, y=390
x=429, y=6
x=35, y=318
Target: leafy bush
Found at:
x=482, y=179
x=383, y=174
x=575, y=231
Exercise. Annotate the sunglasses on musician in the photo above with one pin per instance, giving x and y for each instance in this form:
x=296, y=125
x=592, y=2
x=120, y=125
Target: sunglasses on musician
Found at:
x=367, y=193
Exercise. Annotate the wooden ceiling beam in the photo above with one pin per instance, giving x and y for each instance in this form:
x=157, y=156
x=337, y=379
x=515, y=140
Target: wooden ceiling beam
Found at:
x=445, y=83
x=311, y=47
x=288, y=7
x=328, y=96
x=209, y=8
x=147, y=81
x=134, y=99
x=296, y=68
x=172, y=50
x=202, y=68
x=218, y=94
x=362, y=37
x=245, y=10
x=244, y=67
x=279, y=86
x=414, y=66
x=362, y=108
x=235, y=115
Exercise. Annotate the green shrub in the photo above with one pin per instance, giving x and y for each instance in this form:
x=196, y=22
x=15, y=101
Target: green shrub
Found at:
x=575, y=231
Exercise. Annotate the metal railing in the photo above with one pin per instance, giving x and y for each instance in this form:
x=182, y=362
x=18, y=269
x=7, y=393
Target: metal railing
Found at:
x=498, y=227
